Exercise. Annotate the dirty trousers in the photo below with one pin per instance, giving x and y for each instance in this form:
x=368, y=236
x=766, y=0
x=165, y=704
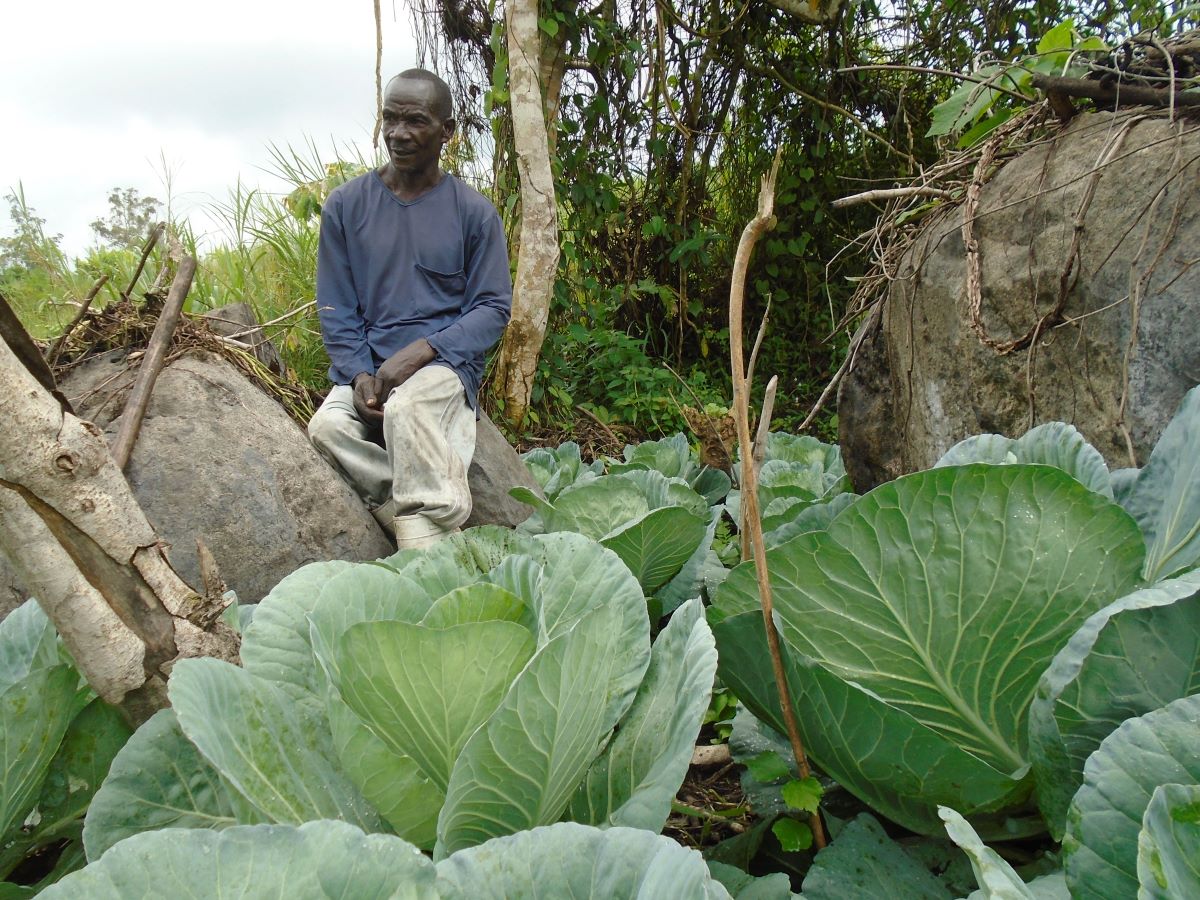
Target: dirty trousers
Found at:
x=421, y=470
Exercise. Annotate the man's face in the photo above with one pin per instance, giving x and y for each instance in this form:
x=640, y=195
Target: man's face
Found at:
x=412, y=131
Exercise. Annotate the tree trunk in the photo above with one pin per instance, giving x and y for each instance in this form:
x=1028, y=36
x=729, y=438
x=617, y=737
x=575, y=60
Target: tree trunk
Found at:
x=537, y=259
x=81, y=543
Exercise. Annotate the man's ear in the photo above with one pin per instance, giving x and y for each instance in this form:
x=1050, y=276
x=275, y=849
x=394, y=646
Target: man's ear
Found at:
x=448, y=127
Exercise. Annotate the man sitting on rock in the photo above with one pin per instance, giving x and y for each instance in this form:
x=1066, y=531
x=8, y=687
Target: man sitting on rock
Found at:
x=413, y=287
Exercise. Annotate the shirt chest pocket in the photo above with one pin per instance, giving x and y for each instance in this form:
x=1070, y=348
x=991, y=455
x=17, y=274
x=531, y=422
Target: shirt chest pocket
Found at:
x=438, y=293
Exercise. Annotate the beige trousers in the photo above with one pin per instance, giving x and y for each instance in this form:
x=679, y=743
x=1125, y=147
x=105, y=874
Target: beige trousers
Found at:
x=419, y=473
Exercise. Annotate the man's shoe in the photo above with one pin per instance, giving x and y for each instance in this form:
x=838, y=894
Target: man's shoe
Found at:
x=417, y=532
x=385, y=515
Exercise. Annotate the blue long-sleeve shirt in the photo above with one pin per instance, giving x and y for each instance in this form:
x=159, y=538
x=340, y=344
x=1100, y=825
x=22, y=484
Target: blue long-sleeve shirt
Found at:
x=390, y=272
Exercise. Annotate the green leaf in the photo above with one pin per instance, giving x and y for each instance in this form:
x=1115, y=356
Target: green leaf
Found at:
x=965, y=103
x=1052, y=444
x=768, y=766
x=88, y=749
x=793, y=836
x=275, y=645
x=277, y=753
x=656, y=546
x=157, y=780
x=741, y=886
x=997, y=879
x=1100, y=850
x=577, y=861
x=550, y=26
x=1060, y=37
x=520, y=769
x=803, y=794
x=641, y=770
x=815, y=517
x=478, y=603
x=27, y=642
x=762, y=750
x=882, y=611
x=1131, y=658
x=983, y=128
x=423, y=690
x=316, y=861
x=1169, y=843
x=689, y=581
x=34, y=715
x=1165, y=498
x=595, y=508
x=577, y=576
x=848, y=741
x=862, y=861
x=392, y=783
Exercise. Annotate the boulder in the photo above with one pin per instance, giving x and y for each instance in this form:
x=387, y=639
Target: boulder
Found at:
x=495, y=469
x=1117, y=362
x=218, y=459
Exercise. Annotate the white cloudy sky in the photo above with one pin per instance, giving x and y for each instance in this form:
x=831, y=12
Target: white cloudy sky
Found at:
x=96, y=95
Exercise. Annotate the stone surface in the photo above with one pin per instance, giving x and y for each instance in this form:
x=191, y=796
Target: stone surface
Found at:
x=924, y=381
x=495, y=469
x=238, y=322
x=218, y=459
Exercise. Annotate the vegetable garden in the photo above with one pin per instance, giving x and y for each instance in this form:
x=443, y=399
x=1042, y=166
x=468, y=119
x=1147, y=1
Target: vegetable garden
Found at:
x=1001, y=650
x=980, y=680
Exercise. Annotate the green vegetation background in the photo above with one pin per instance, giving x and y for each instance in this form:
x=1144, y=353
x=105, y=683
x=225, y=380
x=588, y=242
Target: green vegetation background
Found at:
x=664, y=128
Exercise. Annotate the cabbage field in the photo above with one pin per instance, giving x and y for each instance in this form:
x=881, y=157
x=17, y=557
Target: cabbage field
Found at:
x=994, y=664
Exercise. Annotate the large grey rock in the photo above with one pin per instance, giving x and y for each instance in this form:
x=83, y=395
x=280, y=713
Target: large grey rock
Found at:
x=924, y=380
x=495, y=469
x=218, y=459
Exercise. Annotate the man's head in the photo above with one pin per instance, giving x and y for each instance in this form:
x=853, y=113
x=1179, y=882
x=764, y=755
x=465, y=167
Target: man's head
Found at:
x=418, y=120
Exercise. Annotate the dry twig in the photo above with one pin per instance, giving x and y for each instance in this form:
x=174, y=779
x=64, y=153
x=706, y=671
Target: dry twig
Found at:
x=152, y=364
x=763, y=221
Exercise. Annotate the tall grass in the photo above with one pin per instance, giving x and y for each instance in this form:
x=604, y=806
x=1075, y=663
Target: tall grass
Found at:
x=264, y=253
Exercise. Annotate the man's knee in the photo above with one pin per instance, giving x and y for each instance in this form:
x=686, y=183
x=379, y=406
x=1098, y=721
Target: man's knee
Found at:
x=328, y=428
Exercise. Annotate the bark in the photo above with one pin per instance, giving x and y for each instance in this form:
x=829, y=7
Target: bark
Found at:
x=537, y=259
x=79, y=540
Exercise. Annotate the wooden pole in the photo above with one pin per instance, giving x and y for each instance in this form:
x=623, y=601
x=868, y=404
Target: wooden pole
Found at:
x=56, y=349
x=156, y=232
x=152, y=363
x=751, y=516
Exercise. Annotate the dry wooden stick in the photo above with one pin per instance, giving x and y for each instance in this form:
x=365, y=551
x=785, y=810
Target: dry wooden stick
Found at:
x=763, y=221
x=764, y=425
x=758, y=339
x=1128, y=94
x=56, y=349
x=916, y=190
x=253, y=328
x=151, y=239
x=152, y=363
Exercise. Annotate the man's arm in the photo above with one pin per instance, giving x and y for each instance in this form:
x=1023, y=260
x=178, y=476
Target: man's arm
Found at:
x=488, y=302
x=342, y=327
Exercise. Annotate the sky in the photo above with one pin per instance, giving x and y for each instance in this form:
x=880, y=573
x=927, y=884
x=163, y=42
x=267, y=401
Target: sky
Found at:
x=130, y=93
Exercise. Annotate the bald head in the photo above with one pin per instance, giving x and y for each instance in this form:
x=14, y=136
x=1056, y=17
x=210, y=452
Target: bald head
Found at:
x=441, y=104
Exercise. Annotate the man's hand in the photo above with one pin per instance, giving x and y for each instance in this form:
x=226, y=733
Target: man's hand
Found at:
x=368, y=401
x=402, y=365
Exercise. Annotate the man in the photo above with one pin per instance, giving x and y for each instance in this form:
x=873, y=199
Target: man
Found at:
x=413, y=287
